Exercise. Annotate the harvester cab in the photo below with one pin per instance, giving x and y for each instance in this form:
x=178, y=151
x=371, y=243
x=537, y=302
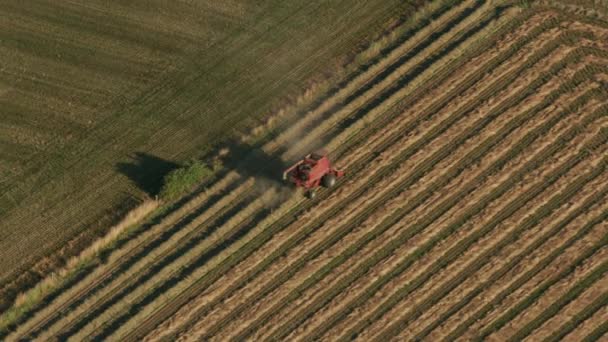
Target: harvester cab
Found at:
x=313, y=171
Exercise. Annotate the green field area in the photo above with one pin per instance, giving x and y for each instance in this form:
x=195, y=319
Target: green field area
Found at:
x=99, y=99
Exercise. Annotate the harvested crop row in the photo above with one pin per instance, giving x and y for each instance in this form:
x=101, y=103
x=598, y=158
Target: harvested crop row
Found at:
x=377, y=218
x=450, y=84
x=185, y=268
x=115, y=261
x=483, y=164
x=563, y=228
x=141, y=267
x=551, y=264
x=388, y=265
x=435, y=281
x=481, y=266
x=576, y=330
x=555, y=297
x=545, y=284
x=419, y=83
x=398, y=240
x=589, y=300
x=545, y=304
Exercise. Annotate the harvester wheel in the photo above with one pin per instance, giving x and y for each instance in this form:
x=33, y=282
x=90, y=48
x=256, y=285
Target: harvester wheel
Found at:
x=311, y=194
x=329, y=180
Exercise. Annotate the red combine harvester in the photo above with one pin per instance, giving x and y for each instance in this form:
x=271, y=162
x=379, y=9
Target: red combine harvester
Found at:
x=311, y=172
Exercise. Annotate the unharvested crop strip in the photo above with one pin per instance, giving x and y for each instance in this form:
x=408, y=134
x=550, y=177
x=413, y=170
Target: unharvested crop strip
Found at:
x=240, y=310
x=357, y=86
x=489, y=117
x=401, y=74
x=590, y=202
x=440, y=75
x=445, y=259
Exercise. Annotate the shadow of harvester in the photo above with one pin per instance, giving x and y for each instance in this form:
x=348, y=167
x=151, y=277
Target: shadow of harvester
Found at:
x=146, y=171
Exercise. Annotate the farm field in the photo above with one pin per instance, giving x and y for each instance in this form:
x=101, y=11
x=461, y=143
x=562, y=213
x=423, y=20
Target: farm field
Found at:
x=100, y=100
x=474, y=205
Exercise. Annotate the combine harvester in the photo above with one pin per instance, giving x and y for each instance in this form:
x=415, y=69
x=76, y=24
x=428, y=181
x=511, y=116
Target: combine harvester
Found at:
x=311, y=172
